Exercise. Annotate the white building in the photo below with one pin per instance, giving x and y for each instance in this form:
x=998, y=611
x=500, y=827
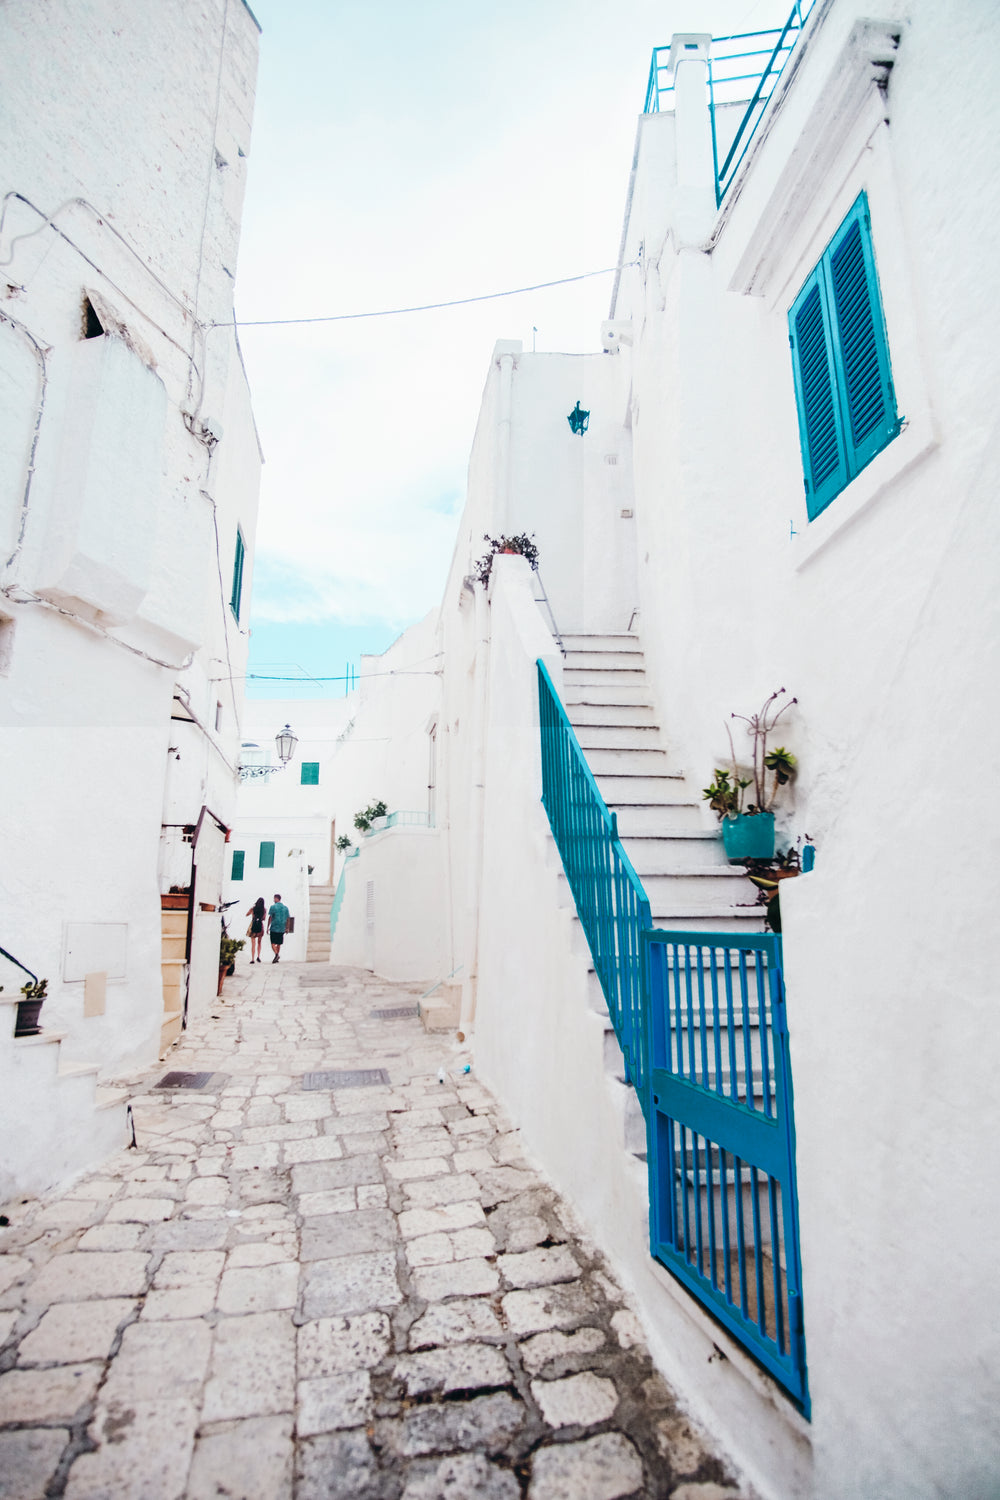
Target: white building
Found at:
x=128, y=496
x=691, y=572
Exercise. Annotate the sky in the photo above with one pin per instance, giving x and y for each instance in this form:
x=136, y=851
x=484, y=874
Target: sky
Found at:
x=407, y=152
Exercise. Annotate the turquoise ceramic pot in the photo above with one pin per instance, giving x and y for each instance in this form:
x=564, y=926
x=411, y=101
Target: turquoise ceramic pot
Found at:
x=750, y=836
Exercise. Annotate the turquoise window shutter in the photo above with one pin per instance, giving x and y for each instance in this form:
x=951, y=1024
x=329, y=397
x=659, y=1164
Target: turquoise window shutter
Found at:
x=266, y=860
x=237, y=593
x=820, y=426
x=840, y=360
x=238, y=857
x=310, y=773
x=863, y=351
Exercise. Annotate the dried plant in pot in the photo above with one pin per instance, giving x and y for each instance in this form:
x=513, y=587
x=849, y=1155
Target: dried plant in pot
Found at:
x=748, y=825
x=28, y=1009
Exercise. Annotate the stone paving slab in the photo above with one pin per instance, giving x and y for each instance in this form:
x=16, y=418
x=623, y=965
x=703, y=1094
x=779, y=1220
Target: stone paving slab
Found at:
x=288, y=1294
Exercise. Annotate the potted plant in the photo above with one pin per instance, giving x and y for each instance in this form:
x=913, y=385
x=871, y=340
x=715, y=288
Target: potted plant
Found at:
x=365, y=819
x=34, y=993
x=343, y=843
x=228, y=949
x=522, y=545
x=748, y=832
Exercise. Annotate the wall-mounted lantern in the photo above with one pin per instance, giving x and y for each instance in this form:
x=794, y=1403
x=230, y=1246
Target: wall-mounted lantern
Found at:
x=285, y=743
x=578, y=420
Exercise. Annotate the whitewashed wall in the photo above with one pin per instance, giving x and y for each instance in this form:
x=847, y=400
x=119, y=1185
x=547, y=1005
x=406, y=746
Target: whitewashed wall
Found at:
x=878, y=615
x=113, y=494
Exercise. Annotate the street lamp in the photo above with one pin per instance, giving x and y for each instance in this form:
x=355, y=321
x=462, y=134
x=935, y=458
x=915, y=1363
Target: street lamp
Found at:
x=285, y=743
x=578, y=420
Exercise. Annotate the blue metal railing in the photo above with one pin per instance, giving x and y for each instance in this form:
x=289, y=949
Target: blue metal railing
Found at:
x=338, y=895
x=409, y=820
x=700, y=1018
x=610, y=900
x=746, y=64
x=723, y=1194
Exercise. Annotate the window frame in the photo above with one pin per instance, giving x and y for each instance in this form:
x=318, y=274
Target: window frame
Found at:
x=268, y=862
x=840, y=363
x=239, y=865
x=312, y=766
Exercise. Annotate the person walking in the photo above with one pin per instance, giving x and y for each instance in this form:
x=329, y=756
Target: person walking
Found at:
x=255, y=932
x=277, y=923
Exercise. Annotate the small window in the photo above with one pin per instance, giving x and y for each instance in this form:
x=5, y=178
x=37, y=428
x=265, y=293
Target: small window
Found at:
x=218, y=717
x=239, y=855
x=237, y=594
x=840, y=358
x=266, y=860
x=309, y=773
x=93, y=328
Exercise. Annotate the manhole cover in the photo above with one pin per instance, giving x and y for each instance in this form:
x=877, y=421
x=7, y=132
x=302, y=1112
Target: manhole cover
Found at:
x=398, y=1014
x=185, y=1080
x=360, y=1078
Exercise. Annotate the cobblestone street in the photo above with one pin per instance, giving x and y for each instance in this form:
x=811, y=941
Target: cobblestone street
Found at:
x=323, y=1287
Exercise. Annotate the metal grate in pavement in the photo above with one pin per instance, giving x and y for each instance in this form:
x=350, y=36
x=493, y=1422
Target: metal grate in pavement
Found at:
x=396, y=1014
x=185, y=1080
x=357, y=1078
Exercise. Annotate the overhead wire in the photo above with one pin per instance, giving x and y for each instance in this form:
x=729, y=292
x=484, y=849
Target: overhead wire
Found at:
x=392, y=312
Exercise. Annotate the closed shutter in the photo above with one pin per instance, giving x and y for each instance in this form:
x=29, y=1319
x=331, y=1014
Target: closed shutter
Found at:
x=840, y=360
x=237, y=593
x=870, y=407
x=266, y=860
x=239, y=855
x=820, y=425
x=309, y=773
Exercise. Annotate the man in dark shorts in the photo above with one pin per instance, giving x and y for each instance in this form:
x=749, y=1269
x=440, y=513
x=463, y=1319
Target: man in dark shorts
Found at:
x=277, y=922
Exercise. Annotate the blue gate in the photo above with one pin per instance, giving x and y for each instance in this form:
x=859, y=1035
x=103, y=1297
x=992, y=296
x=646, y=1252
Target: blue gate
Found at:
x=723, y=1199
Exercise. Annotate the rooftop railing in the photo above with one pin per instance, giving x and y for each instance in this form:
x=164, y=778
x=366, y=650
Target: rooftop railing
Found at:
x=741, y=69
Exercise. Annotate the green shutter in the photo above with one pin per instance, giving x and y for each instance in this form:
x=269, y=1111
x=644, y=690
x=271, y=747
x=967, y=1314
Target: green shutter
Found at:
x=238, y=857
x=237, y=593
x=266, y=860
x=840, y=360
x=310, y=773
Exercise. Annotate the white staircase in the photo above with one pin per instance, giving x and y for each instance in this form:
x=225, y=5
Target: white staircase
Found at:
x=682, y=865
x=318, y=937
x=57, y=1120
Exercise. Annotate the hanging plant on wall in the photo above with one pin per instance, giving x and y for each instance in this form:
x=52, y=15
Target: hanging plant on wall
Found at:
x=523, y=546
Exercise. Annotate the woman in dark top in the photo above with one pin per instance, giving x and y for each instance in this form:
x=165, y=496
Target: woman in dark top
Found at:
x=255, y=931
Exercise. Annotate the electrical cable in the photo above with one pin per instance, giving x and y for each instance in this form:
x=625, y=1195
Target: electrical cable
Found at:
x=392, y=312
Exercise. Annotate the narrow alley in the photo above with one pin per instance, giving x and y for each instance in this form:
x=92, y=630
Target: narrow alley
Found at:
x=323, y=1272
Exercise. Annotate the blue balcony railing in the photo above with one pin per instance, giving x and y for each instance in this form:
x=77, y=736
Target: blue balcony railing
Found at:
x=742, y=69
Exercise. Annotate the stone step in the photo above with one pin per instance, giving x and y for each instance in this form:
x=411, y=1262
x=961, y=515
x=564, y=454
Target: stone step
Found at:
x=589, y=695
x=173, y=922
x=624, y=642
x=630, y=761
x=659, y=854
x=173, y=946
x=619, y=790
x=619, y=715
x=170, y=1030
x=602, y=677
x=594, y=737
x=688, y=889
x=652, y=819
x=603, y=661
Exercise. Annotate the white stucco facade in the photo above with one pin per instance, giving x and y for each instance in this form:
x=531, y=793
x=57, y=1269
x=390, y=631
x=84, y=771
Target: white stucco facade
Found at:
x=879, y=616
x=130, y=467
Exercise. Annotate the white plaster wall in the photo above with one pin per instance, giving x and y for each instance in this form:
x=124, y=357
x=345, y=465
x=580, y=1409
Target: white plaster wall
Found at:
x=540, y=1043
x=400, y=930
x=113, y=506
x=880, y=617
